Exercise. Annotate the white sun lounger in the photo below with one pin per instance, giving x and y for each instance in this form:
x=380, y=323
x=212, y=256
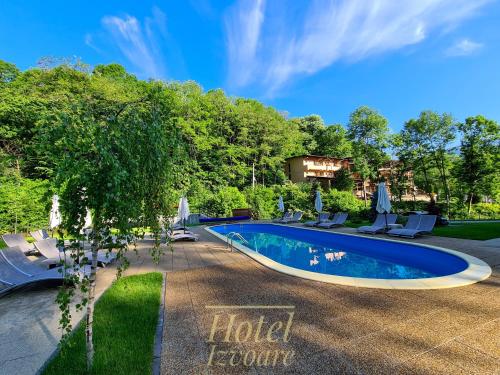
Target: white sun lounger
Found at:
x=17, y=271
x=39, y=235
x=48, y=248
x=322, y=217
x=18, y=240
x=297, y=215
x=286, y=216
x=338, y=220
x=416, y=225
x=180, y=236
x=379, y=225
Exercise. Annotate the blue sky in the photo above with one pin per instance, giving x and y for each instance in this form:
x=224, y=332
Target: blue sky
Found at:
x=318, y=56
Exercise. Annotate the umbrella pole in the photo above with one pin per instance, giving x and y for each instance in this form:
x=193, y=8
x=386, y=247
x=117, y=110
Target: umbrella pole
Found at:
x=385, y=214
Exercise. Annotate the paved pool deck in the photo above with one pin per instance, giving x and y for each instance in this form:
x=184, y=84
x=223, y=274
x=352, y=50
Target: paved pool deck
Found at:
x=335, y=329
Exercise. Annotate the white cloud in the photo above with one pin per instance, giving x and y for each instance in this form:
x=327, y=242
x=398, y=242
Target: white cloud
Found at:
x=139, y=46
x=463, y=47
x=243, y=26
x=89, y=41
x=326, y=32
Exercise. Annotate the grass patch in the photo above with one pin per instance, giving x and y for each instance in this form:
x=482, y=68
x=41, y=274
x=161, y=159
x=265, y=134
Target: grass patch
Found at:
x=350, y=224
x=2, y=244
x=125, y=322
x=471, y=231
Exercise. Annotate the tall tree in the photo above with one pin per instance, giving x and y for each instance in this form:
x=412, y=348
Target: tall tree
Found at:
x=8, y=72
x=369, y=133
x=427, y=141
x=332, y=141
x=119, y=164
x=311, y=127
x=480, y=152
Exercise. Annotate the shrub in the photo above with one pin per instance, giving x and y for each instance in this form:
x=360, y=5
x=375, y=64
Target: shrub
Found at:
x=263, y=202
x=335, y=201
x=297, y=197
x=24, y=204
x=343, y=180
x=198, y=196
x=222, y=202
x=486, y=210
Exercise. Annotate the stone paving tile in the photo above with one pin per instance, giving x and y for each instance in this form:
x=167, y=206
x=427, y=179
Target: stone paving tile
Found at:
x=327, y=362
x=471, y=360
x=485, y=338
x=429, y=364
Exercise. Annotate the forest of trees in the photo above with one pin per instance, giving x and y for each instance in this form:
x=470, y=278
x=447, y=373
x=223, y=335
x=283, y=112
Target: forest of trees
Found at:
x=216, y=141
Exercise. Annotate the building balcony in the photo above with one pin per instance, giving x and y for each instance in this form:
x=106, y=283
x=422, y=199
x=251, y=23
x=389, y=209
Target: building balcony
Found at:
x=319, y=174
x=322, y=167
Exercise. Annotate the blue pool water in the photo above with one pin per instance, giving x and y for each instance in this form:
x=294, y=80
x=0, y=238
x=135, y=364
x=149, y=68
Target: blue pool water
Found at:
x=343, y=255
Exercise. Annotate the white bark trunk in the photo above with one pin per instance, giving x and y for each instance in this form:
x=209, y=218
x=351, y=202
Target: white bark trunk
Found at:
x=90, y=306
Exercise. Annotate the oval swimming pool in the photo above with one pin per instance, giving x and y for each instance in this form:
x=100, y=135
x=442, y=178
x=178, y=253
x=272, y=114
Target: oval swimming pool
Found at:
x=353, y=260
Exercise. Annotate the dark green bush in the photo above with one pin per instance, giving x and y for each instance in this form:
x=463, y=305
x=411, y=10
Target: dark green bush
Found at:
x=263, y=202
x=24, y=204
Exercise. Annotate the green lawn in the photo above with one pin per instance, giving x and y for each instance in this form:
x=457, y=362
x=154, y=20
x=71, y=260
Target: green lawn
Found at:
x=124, y=328
x=356, y=225
x=471, y=231
x=2, y=244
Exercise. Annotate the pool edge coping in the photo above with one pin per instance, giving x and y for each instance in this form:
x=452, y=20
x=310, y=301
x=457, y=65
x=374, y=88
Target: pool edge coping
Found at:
x=477, y=269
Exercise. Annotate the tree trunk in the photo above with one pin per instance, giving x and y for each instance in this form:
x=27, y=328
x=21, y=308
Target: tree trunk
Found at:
x=18, y=169
x=426, y=178
x=364, y=193
x=90, y=304
x=471, y=195
x=444, y=179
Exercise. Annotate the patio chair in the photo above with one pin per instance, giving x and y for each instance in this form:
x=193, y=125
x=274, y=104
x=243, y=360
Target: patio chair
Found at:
x=416, y=225
x=338, y=220
x=322, y=217
x=39, y=235
x=48, y=248
x=286, y=216
x=180, y=236
x=379, y=225
x=13, y=240
x=297, y=215
x=16, y=272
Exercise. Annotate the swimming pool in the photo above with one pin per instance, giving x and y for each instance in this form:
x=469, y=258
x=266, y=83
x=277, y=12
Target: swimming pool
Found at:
x=353, y=260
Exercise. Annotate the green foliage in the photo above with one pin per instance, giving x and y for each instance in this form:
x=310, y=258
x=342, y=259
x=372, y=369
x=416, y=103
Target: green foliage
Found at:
x=263, y=202
x=125, y=324
x=8, y=72
x=222, y=202
x=424, y=143
x=486, y=210
x=480, y=156
x=369, y=133
x=471, y=231
x=332, y=141
x=335, y=201
x=311, y=128
x=23, y=204
x=297, y=197
x=343, y=180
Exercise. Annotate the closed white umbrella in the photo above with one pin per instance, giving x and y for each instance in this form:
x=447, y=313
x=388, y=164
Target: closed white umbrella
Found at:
x=55, y=214
x=88, y=219
x=318, y=204
x=383, y=201
x=183, y=211
x=281, y=204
